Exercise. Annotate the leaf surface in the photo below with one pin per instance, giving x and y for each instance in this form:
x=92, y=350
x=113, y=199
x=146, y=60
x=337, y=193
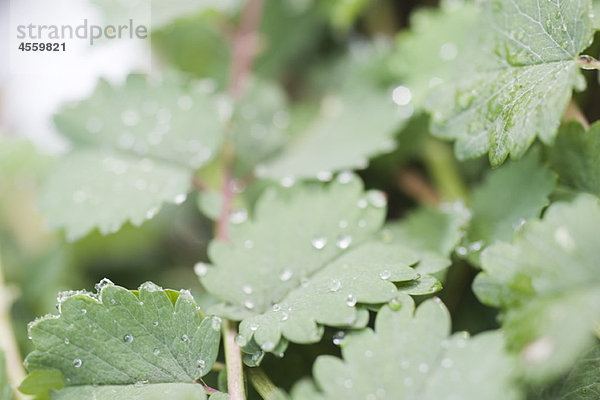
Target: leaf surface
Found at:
x=118, y=345
x=411, y=355
x=5, y=388
x=103, y=189
x=546, y=283
x=576, y=157
x=347, y=133
x=528, y=56
x=505, y=200
x=308, y=258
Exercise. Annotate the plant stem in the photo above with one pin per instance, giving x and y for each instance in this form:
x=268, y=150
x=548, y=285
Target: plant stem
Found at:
x=587, y=62
x=441, y=164
x=8, y=343
x=264, y=386
x=573, y=112
x=233, y=358
x=244, y=49
x=412, y=183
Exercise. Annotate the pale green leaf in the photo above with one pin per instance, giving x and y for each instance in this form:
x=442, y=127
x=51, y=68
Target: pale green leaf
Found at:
x=546, y=283
x=432, y=233
x=576, y=157
x=136, y=147
x=260, y=121
x=435, y=49
x=308, y=258
x=582, y=382
x=6, y=391
x=528, y=52
x=164, y=119
x=347, y=133
x=411, y=355
x=105, y=189
x=505, y=200
x=120, y=344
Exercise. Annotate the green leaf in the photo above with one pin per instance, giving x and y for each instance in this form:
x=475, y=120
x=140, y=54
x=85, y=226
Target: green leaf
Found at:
x=136, y=147
x=105, y=189
x=529, y=50
x=432, y=232
x=582, y=381
x=436, y=48
x=410, y=355
x=260, y=121
x=164, y=119
x=6, y=391
x=505, y=200
x=41, y=382
x=119, y=344
x=576, y=157
x=546, y=283
x=347, y=133
x=308, y=258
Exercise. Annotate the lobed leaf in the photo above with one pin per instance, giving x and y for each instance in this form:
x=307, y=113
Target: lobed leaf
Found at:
x=505, y=200
x=136, y=147
x=410, y=354
x=347, y=133
x=122, y=344
x=103, y=189
x=525, y=82
x=309, y=258
x=546, y=283
x=576, y=157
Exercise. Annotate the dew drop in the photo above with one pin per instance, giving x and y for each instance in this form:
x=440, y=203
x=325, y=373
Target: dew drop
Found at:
x=324, y=176
x=185, y=338
x=348, y=383
x=288, y=181
x=201, y=363
x=156, y=352
x=284, y=316
x=254, y=327
x=247, y=289
x=267, y=346
x=216, y=323
x=286, y=275
x=448, y=51
x=345, y=177
x=377, y=199
x=83, y=311
x=343, y=224
x=338, y=338
x=408, y=381
x=276, y=307
x=241, y=340
x=401, y=95
x=423, y=368
x=351, y=300
x=362, y=203
x=462, y=251
x=344, y=242
x=564, y=238
x=77, y=363
x=362, y=223
x=335, y=285
x=201, y=269
x=238, y=216
x=385, y=274
x=67, y=341
x=155, y=323
x=249, y=305
x=319, y=242
x=180, y=198
x=128, y=338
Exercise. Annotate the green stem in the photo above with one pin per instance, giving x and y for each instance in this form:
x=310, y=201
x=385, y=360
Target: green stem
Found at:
x=442, y=167
x=264, y=386
x=8, y=343
x=587, y=62
x=233, y=359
